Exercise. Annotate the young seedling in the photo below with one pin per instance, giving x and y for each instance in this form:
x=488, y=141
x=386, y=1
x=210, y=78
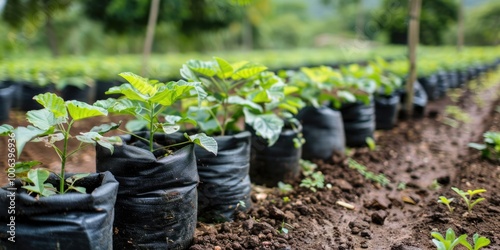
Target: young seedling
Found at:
x=479, y=242
x=371, y=143
x=491, y=147
x=284, y=188
x=446, y=201
x=450, y=241
x=470, y=193
x=378, y=178
x=313, y=182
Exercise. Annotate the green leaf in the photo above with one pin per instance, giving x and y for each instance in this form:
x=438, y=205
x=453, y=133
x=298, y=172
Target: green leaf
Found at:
x=267, y=126
x=204, y=141
x=110, y=142
x=248, y=70
x=43, y=119
x=244, y=103
x=53, y=103
x=129, y=92
x=22, y=168
x=50, y=139
x=38, y=177
x=76, y=177
x=477, y=146
x=170, y=129
x=136, y=125
x=172, y=92
x=225, y=69
x=480, y=242
x=142, y=85
x=188, y=74
x=24, y=135
x=104, y=128
x=450, y=235
x=81, y=110
x=439, y=245
x=94, y=137
x=207, y=68
x=262, y=97
x=6, y=129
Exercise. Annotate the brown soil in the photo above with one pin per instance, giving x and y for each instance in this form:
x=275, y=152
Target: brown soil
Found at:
x=416, y=152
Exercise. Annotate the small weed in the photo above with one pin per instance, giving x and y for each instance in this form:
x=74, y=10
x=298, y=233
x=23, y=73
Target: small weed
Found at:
x=454, y=115
x=307, y=167
x=401, y=186
x=286, y=199
x=491, y=147
x=470, y=193
x=284, y=188
x=434, y=185
x=446, y=201
x=313, y=182
x=371, y=143
x=284, y=229
x=378, y=178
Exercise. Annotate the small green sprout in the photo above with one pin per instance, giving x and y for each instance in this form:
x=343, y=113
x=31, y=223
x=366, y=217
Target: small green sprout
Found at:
x=446, y=202
x=401, y=186
x=283, y=228
x=434, y=185
x=479, y=242
x=378, y=178
x=286, y=199
x=450, y=241
x=371, y=143
x=491, y=147
x=307, y=167
x=284, y=188
x=470, y=193
x=313, y=182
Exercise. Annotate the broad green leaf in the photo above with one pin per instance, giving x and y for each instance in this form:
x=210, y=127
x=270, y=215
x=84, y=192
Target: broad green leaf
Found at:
x=136, y=125
x=450, y=235
x=207, y=68
x=38, y=177
x=225, y=69
x=139, y=83
x=346, y=96
x=188, y=74
x=287, y=90
x=94, y=137
x=43, y=119
x=204, y=141
x=22, y=168
x=104, y=128
x=172, y=92
x=248, y=70
x=81, y=110
x=129, y=92
x=110, y=142
x=480, y=242
x=6, y=129
x=49, y=139
x=170, y=129
x=262, y=97
x=53, y=103
x=267, y=126
x=172, y=119
x=244, y=103
x=24, y=135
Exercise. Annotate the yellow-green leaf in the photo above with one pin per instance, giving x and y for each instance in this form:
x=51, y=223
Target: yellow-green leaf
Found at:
x=53, y=103
x=140, y=83
x=81, y=110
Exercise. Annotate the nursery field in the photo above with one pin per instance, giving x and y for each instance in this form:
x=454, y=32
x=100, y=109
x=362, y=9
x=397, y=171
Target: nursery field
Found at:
x=420, y=158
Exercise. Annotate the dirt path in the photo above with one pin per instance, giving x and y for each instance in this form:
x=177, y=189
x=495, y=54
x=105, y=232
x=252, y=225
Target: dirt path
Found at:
x=402, y=215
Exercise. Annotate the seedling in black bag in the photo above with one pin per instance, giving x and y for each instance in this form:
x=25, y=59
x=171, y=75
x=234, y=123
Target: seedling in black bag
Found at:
x=53, y=124
x=148, y=100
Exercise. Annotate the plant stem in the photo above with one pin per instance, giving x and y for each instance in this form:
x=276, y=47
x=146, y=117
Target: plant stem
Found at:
x=224, y=120
x=216, y=120
x=151, y=124
x=173, y=145
x=64, y=156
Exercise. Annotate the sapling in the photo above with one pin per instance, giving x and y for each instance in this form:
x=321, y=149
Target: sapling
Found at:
x=470, y=193
x=446, y=201
x=51, y=125
x=449, y=242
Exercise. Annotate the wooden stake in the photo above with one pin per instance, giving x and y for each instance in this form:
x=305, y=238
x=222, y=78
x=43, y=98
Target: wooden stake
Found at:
x=413, y=33
x=150, y=34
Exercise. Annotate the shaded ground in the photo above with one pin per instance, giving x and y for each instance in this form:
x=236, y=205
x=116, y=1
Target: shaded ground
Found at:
x=416, y=153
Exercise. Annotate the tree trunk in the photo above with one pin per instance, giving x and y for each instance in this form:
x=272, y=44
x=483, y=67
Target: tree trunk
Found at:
x=51, y=35
x=413, y=34
x=150, y=34
x=460, y=28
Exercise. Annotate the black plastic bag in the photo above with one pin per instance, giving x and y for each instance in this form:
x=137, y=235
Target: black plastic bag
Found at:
x=419, y=101
x=72, y=92
x=6, y=99
x=430, y=85
x=26, y=93
x=280, y=162
x=386, y=111
x=323, y=132
x=156, y=203
x=224, y=179
x=68, y=221
x=443, y=83
x=359, y=122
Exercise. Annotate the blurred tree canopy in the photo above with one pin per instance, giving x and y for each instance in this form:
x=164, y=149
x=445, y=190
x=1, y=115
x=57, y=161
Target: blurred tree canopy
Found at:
x=190, y=16
x=482, y=25
x=436, y=17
